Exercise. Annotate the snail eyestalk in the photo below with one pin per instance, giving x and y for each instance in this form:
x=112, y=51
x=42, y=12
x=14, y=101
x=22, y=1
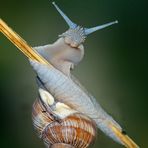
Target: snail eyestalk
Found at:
x=68, y=21
x=76, y=33
x=91, y=30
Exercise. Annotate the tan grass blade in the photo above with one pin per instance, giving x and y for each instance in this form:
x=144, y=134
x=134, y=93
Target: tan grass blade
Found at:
x=126, y=140
x=21, y=43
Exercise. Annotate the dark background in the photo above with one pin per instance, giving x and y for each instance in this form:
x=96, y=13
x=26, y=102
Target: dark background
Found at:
x=114, y=69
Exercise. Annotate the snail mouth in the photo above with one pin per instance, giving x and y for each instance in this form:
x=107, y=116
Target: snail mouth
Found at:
x=125, y=139
x=74, y=45
x=71, y=42
x=77, y=47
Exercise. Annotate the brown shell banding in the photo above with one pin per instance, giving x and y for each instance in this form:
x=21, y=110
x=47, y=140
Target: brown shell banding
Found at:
x=61, y=145
x=76, y=130
x=40, y=117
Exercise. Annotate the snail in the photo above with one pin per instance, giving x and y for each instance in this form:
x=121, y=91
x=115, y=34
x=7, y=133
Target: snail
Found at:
x=64, y=54
x=59, y=125
x=61, y=96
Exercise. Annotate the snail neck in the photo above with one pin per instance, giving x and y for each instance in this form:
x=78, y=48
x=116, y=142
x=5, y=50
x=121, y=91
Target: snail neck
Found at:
x=65, y=57
x=59, y=58
x=61, y=55
x=63, y=66
x=61, y=145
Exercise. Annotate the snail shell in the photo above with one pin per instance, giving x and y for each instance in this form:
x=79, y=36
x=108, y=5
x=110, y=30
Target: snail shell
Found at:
x=59, y=145
x=74, y=131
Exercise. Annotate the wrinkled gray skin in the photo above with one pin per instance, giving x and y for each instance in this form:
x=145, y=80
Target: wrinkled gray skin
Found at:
x=59, y=82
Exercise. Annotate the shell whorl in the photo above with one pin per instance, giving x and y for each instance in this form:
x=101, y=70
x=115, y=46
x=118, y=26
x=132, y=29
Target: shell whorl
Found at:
x=76, y=130
x=40, y=117
x=61, y=145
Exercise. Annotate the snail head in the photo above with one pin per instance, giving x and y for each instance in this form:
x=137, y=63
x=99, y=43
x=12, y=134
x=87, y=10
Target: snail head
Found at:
x=76, y=34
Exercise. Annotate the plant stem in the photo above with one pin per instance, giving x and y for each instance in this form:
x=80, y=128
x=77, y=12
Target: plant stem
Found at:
x=21, y=43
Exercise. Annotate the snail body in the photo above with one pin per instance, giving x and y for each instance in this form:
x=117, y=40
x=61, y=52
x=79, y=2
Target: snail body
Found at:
x=71, y=130
x=74, y=100
x=64, y=54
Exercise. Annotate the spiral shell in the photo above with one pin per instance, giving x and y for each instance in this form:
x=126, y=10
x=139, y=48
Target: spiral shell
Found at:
x=74, y=131
x=40, y=117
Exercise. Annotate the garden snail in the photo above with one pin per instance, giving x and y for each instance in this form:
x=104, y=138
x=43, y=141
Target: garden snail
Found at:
x=59, y=125
x=66, y=52
x=60, y=85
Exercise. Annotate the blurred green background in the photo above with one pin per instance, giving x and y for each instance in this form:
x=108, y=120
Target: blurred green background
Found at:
x=114, y=69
